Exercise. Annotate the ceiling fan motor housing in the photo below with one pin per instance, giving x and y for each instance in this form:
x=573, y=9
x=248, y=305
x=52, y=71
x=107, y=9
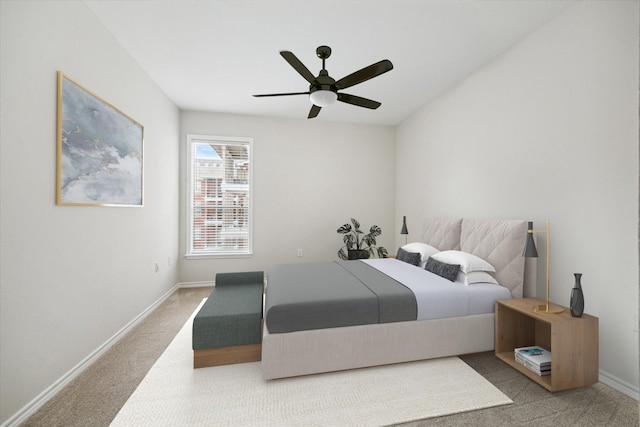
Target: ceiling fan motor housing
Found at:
x=323, y=82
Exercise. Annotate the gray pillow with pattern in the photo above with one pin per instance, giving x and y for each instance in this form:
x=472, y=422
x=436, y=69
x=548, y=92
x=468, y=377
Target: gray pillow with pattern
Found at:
x=412, y=258
x=448, y=271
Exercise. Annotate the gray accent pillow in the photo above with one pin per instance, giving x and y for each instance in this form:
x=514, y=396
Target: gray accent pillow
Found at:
x=448, y=271
x=412, y=258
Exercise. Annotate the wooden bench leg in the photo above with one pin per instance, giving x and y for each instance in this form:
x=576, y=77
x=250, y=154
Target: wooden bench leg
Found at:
x=227, y=355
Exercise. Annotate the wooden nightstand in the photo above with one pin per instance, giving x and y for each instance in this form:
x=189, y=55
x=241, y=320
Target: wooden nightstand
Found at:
x=572, y=341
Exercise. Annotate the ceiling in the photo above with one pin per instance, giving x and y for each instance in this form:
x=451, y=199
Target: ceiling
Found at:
x=214, y=55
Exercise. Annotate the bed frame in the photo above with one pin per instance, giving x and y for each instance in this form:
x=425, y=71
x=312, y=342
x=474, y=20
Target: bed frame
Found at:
x=499, y=242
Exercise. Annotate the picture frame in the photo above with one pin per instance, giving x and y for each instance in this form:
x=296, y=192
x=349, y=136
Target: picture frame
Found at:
x=99, y=150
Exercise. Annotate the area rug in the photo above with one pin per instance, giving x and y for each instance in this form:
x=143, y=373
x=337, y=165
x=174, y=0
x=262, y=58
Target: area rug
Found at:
x=175, y=394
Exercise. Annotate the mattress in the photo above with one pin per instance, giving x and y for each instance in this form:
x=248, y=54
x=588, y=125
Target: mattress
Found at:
x=309, y=296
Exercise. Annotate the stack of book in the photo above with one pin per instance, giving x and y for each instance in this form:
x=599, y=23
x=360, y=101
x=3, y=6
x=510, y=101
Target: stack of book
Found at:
x=535, y=358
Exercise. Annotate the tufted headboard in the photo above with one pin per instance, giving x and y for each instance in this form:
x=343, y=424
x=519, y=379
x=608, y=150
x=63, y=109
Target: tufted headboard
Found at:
x=499, y=242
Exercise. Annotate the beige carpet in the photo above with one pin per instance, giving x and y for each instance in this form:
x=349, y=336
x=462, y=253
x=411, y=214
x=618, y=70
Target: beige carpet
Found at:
x=174, y=394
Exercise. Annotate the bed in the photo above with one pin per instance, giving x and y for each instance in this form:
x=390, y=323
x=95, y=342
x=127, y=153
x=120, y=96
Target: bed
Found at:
x=320, y=318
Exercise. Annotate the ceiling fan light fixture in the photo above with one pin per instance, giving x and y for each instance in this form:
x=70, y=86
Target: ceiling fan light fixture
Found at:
x=323, y=98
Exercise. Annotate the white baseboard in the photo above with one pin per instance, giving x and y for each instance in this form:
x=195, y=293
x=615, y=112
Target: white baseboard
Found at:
x=624, y=387
x=196, y=284
x=33, y=406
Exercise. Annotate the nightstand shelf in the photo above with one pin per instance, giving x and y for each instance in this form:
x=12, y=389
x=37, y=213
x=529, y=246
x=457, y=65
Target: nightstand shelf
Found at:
x=572, y=341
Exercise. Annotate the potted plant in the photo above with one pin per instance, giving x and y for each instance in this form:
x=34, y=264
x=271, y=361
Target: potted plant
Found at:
x=357, y=244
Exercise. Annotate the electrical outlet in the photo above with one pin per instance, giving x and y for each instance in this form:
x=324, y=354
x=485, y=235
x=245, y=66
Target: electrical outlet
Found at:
x=299, y=252
x=157, y=265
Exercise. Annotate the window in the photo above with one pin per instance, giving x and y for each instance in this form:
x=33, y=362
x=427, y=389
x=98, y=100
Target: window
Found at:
x=220, y=219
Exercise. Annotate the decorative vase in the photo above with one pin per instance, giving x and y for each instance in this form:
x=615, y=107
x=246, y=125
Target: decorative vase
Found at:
x=577, y=298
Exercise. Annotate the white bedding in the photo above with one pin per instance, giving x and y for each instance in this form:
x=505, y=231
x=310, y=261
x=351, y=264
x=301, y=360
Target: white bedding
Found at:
x=438, y=297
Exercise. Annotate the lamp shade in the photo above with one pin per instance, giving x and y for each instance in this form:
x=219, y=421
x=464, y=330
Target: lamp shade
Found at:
x=323, y=98
x=530, y=250
x=404, y=226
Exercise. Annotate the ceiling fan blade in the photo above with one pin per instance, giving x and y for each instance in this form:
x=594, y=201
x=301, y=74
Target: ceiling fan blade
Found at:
x=297, y=65
x=282, y=94
x=314, y=111
x=356, y=100
x=365, y=74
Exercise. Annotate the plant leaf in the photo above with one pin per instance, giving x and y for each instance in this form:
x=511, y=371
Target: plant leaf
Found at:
x=375, y=231
x=344, y=229
x=370, y=240
x=348, y=240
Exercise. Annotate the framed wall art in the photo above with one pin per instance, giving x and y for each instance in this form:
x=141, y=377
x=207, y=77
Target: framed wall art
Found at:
x=99, y=150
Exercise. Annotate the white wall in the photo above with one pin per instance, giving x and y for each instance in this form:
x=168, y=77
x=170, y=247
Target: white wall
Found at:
x=72, y=277
x=309, y=178
x=548, y=131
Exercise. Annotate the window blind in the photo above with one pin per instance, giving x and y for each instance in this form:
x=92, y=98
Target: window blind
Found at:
x=220, y=196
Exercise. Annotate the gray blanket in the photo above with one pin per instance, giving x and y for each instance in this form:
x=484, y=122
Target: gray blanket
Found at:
x=333, y=294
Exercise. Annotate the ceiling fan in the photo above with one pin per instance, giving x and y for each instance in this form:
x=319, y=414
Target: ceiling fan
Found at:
x=323, y=89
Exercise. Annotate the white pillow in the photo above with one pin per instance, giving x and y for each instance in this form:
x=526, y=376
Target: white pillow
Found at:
x=468, y=262
x=423, y=249
x=475, y=277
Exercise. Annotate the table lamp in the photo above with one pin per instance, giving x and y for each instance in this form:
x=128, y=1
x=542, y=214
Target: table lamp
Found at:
x=404, y=229
x=530, y=251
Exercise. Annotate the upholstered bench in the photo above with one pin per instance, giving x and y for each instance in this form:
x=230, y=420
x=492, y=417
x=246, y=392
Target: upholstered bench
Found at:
x=228, y=327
